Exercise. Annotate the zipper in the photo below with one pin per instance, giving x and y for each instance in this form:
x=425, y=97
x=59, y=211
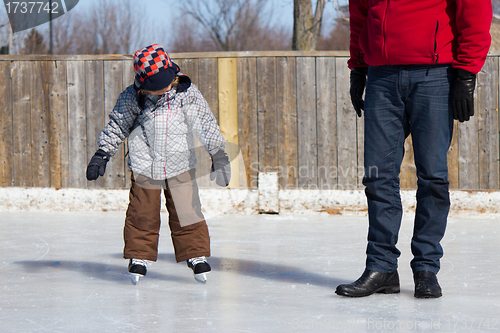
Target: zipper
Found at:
x=436, y=56
x=166, y=138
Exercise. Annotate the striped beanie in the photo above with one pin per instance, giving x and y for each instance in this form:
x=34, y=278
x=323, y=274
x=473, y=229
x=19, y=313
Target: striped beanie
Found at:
x=153, y=68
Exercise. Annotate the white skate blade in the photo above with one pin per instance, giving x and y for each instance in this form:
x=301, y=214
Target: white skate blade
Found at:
x=135, y=278
x=201, y=278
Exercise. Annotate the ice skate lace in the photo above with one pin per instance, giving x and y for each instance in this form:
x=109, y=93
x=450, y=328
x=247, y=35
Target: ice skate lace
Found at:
x=141, y=262
x=197, y=260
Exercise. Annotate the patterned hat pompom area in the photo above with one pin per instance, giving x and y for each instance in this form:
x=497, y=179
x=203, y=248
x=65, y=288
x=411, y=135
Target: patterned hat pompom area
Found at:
x=153, y=68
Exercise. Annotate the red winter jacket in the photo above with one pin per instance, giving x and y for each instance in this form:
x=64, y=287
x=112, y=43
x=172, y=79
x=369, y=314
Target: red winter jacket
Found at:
x=420, y=32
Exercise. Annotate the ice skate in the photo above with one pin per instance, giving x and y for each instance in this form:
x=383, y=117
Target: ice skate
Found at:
x=137, y=268
x=200, y=268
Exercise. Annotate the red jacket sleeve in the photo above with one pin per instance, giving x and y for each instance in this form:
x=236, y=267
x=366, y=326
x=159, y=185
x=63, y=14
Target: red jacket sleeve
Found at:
x=358, y=10
x=473, y=21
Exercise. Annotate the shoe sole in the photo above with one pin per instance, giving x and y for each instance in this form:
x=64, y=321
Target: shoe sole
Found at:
x=382, y=290
x=427, y=296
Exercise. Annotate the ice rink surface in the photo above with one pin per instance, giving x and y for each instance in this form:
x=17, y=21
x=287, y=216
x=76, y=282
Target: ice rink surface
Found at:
x=64, y=272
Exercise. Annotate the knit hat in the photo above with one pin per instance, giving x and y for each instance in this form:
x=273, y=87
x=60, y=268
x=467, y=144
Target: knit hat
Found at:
x=153, y=68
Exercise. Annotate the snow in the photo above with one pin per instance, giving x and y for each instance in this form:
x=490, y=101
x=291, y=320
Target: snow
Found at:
x=471, y=204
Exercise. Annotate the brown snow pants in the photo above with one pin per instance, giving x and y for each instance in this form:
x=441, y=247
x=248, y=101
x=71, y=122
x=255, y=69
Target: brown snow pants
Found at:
x=142, y=222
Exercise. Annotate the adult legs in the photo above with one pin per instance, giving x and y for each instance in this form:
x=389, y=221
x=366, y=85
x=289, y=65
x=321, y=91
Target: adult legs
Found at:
x=386, y=127
x=431, y=129
x=399, y=100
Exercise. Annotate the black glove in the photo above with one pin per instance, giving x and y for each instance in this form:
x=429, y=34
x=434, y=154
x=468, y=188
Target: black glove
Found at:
x=221, y=168
x=358, y=81
x=462, y=95
x=97, y=165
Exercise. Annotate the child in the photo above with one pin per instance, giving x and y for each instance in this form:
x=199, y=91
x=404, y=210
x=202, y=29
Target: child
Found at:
x=158, y=114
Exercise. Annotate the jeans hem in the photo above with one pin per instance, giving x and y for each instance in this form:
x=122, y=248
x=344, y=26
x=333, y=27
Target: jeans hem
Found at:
x=434, y=270
x=379, y=269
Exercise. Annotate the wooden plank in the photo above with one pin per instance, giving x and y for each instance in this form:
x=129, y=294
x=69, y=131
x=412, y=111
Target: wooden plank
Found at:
x=208, y=86
x=453, y=159
x=468, y=154
x=204, y=161
x=113, y=81
x=6, y=144
x=259, y=54
x=247, y=120
x=58, y=124
x=77, y=134
x=242, y=54
x=57, y=138
x=40, y=124
x=326, y=123
x=94, y=105
x=231, y=54
x=360, y=143
x=286, y=98
x=21, y=131
x=360, y=128
x=128, y=76
x=128, y=79
x=228, y=112
x=487, y=114
x=346, y=130
x=190, y=68
x=66, y=57
x=203, y=165
x=408, y=172
x=306, y=123
x=267, y=118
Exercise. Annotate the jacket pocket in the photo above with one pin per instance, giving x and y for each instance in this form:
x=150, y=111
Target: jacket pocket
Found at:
x=435, y=54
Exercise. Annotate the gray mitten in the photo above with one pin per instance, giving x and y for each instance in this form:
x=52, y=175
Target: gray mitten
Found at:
x=221, y=168
x=97, y=165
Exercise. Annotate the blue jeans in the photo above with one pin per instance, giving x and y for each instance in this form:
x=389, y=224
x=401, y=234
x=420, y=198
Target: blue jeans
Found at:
x=403, y=100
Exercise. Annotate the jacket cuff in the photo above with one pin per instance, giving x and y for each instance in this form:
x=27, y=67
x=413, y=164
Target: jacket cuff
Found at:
x=102, y=152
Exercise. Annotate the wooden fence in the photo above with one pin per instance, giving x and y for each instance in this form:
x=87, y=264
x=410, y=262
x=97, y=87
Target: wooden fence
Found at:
x=286, y=112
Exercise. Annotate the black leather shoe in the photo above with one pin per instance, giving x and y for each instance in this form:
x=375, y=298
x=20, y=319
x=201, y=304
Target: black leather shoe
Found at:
x=369, y=283
x=426, y=285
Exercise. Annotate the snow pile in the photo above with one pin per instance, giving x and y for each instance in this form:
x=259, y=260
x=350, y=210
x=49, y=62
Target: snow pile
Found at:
x=475, y=203
x=215, y=201
x=69, y=199
x=241, y=201
x=480, y=204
